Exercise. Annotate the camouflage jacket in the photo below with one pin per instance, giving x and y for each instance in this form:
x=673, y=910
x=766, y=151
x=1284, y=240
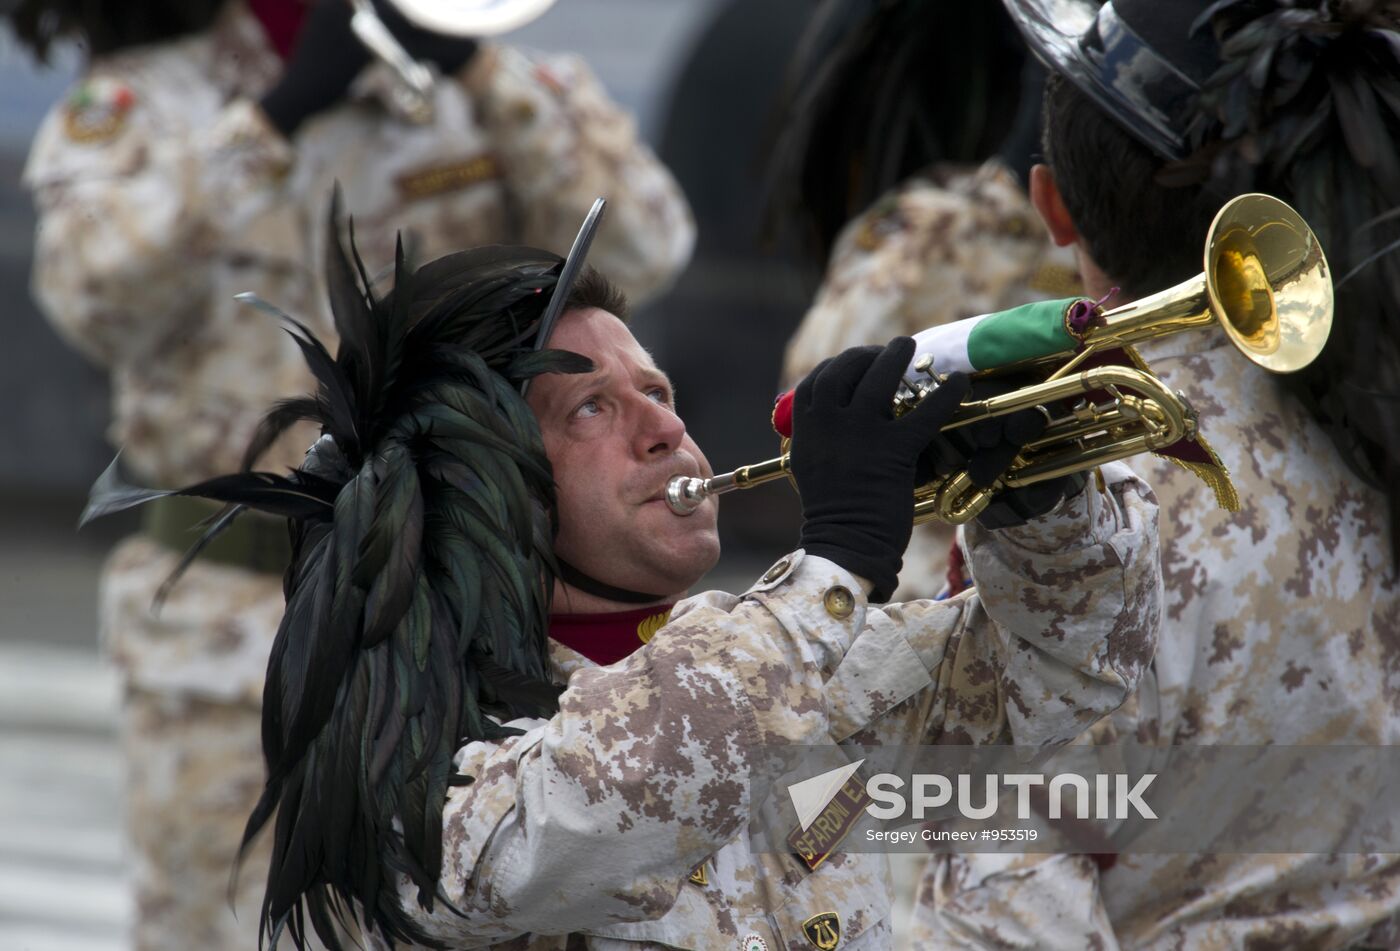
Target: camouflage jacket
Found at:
x=583, y=832
x=1281, y=625
x=951, y=243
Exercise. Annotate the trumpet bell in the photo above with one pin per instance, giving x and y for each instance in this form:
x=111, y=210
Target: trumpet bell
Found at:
x=1268, y=283
x=472, y=17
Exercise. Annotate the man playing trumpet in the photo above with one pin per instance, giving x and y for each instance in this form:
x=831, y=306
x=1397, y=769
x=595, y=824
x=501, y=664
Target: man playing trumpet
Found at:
x=492, y=715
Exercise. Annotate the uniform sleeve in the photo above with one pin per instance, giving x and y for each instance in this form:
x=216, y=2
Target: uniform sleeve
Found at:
x=596, y=816
x=1058, y=630
x=563, y=143
x=128, y=227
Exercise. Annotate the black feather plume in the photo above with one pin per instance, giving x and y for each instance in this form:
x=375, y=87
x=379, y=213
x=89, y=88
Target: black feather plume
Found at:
x=878, y=90
x=418, y=594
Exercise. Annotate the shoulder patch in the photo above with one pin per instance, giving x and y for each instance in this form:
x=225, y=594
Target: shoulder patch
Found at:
x=97, y=111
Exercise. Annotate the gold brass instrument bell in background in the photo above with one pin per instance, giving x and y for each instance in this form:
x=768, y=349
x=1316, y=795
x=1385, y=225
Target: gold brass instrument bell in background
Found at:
x=1265, y=281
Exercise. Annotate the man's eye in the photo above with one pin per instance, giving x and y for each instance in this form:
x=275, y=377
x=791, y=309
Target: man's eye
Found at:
x=587, y=408
x=660, y=395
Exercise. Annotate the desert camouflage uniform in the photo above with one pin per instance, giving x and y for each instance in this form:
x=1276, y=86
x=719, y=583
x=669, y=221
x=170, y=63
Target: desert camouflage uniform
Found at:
x=582, y=832
x=1281, y=626
x=951, y=243
x=161, y=194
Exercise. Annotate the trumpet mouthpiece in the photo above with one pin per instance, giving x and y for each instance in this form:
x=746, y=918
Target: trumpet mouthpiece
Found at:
x=684, y=494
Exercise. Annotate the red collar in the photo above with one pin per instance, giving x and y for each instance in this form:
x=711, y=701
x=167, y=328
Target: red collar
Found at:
x=608, y=638
x=281, y=20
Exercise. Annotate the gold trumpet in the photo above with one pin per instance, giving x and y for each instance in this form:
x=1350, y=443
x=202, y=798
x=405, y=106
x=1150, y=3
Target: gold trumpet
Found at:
x=1265, y=281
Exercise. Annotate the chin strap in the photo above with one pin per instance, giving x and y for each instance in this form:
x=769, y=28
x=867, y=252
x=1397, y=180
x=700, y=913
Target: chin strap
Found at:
x=590, y=585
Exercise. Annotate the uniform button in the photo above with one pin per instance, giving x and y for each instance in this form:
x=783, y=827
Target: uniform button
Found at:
x=839, y=601
x=776, y=572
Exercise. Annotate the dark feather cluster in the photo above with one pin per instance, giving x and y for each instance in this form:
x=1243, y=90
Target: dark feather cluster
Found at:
x=418, y=594
x=1306, y=105
x=1297, y=77
x=104, y=26
x=878, y=90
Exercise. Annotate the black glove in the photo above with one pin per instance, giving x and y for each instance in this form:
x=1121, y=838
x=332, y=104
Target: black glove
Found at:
x=854, y=462
x=325, y=60
x=986, y=450
x=328, y=56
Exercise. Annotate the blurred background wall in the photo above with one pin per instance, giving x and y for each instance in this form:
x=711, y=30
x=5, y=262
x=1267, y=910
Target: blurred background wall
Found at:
x=54, y=403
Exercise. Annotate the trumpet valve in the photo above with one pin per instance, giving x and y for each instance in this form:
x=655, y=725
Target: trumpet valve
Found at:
x=916, y=386
x=1192, y=418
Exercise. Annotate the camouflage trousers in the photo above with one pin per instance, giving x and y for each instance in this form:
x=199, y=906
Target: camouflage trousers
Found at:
x=195, y=769
x=191, y=739
x=191, y=735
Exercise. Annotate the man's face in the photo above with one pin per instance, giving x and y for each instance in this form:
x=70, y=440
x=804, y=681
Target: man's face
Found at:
x=615, y=440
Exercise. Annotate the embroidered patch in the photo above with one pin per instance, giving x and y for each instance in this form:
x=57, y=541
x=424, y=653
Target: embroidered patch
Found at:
x=753, y=942
x=824, y=930
x=97, y=111
x=438, y=179
x=647, y=628
x=700, y=876
x=834, y=824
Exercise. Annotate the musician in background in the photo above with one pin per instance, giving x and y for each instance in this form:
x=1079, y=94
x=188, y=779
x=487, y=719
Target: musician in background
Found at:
x=193, y=160
x=1281, y=620
x=908, y=130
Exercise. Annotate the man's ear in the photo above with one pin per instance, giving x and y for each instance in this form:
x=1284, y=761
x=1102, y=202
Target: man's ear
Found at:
x=1045, y=197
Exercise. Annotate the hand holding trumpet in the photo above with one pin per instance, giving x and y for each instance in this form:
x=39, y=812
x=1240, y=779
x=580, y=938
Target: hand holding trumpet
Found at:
x=329, y=54
x=856, y=461
x=988, y=448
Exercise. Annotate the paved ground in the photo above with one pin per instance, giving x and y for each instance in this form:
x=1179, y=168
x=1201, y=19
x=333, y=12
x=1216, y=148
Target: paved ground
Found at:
x=62, y=885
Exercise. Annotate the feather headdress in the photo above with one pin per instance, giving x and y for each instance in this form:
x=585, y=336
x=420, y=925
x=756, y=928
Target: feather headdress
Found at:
x=418, y=594
x=1294, y=76
x=1306, y=104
